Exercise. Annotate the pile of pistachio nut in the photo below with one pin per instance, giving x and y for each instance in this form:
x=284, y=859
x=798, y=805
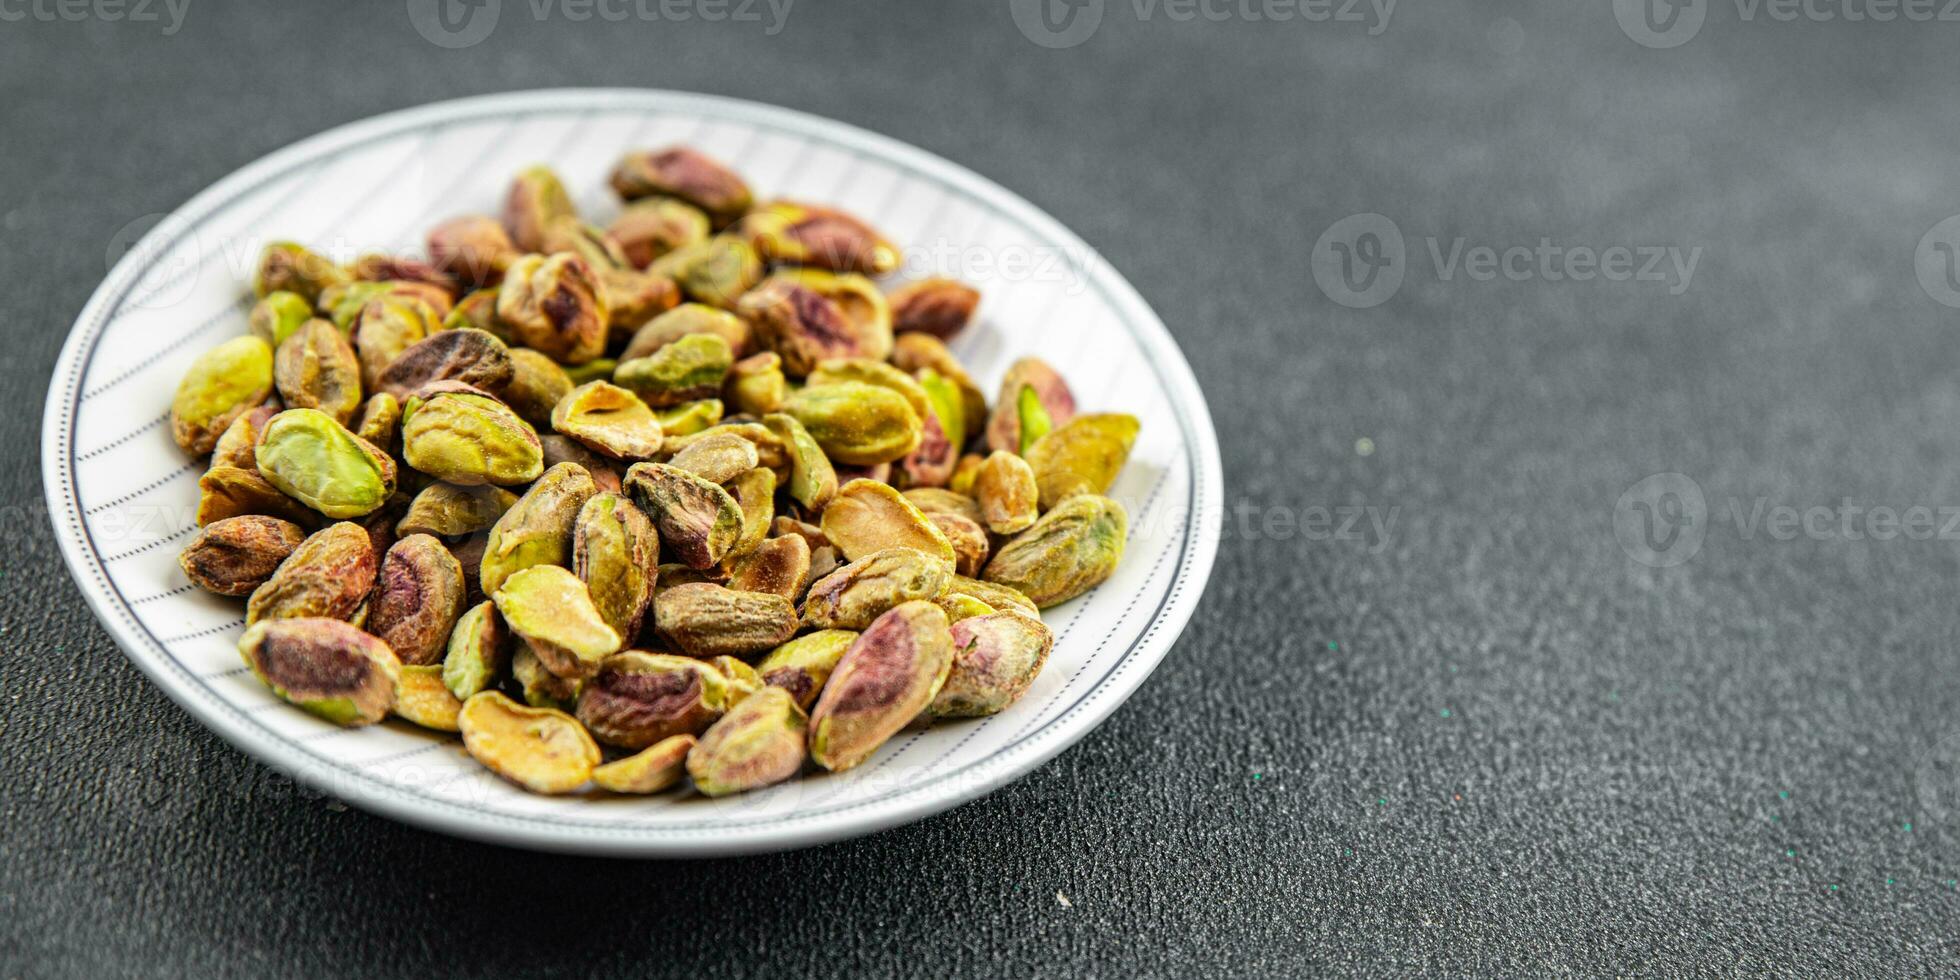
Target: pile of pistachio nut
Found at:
x=685, y=495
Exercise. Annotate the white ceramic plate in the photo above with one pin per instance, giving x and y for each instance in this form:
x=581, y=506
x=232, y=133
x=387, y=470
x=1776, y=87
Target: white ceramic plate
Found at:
x=122, y=496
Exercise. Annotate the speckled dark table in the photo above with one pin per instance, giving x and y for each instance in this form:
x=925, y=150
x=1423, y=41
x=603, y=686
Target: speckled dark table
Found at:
x=1484, y=739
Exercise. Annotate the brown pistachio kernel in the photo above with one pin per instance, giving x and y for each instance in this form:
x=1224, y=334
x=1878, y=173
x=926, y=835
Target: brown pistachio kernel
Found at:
x=960, y=606
x=421, y=698
x=472, y=357
x=689, y=369
x=675, y=573
x=874, y=473
x=236, y=555
x=417, y=600
x=223, y=383
x=759, y=742
x=883, y=682
x=811, y=534
x=969, y=541
x=812, y=478
x=698, y=520
x=536, y=198
x=566, y=233
x=231, y=491
x=478, y=651
x=650, y=228
x=1082, y=456
x=1006, y=490
x=716, y=272
x=315, y=460
x=688, y=320
x=824, y=560
x=868, y=517
x=689, y=418
x=447, y=510
x=809, y=317
x=852, y=596
x=650, y=770
x=1021, y=418
x=550, y=609
x=742, y=678
x=940, y=307
x=756, y=385
x=316, y=368
x=778, y=565
x=384, y=330
x=606, y=473
x=685, y=173
x=537, y=530
x=918, y=353
x=238, y=446
x=930, y=465
x=857, y=424
x=456, y=433
x=964, y=473
x=541, y=687
x=1001, y=597
x=328, y=576
x=376, y=267
x=473, y=248
x=275, y=317
x=633, y=298
x=802, y=665
x=841, y=369
x=1069, y=551
x=789, y=233
x=995, y=659
x=556, y=306
x=344, y=304
x=706, y=620
x=717, y=457
x=536, y=386
x=325, y=666
x=294, y=268
x=540, y=749
x=938, y=500
x=609, y=420
x=755, y=494
x=639, y=698
x=378, y=420
x=615, y=552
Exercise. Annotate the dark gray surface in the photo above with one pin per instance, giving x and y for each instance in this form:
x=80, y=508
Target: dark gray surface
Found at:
x=1607, y=790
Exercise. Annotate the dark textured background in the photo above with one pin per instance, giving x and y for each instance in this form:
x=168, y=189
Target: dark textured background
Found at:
x=1496, y=744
